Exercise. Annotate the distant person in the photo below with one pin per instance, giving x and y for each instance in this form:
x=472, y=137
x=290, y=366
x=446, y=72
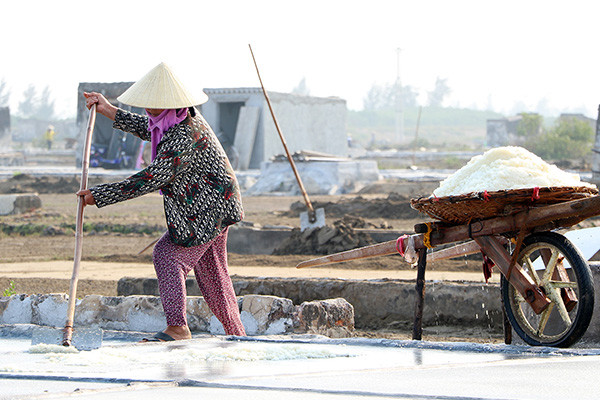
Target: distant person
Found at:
x=200, y=192
x=49, y=136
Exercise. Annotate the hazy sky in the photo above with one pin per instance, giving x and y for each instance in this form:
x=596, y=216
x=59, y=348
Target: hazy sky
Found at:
x=496, y=53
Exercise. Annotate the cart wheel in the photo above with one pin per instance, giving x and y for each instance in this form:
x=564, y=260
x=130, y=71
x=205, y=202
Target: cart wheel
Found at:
x=572, y=296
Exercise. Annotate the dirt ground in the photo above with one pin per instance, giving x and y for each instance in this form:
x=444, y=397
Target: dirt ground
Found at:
x=53, y=237
x=33, y=239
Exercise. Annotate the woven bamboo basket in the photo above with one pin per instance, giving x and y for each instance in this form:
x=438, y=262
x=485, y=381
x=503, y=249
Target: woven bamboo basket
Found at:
x=483, y=205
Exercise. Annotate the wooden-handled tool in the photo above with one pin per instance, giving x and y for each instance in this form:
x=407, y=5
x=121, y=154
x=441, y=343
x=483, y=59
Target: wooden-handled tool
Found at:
x=314, y=218
x=85, y=166
x=87, y=338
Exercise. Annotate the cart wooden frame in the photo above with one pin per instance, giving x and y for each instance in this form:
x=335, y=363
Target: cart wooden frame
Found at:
x=535, y=300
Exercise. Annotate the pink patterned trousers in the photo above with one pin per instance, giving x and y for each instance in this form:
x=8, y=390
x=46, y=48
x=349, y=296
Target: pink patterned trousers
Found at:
x=172, y=264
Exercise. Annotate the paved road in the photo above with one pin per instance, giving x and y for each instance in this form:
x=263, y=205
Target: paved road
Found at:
x=299, y=368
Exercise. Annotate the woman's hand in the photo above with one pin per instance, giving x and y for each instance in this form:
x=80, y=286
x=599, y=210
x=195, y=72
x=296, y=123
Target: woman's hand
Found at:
x=102, y=105
x=88, y=198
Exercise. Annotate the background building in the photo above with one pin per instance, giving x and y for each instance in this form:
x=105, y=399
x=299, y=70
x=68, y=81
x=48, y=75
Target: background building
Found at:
x=241, y=119
x=111, y=148
x=5, y=136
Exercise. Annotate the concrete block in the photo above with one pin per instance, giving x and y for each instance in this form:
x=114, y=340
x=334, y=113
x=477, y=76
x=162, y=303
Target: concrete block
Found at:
x=19, y=203
x=49, y=309
x=271, y=315
x=133, y=313
x=15, y=309
x=333, y=318
x=198, y=314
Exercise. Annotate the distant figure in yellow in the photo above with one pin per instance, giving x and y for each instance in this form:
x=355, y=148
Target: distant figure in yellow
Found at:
x=49, y=136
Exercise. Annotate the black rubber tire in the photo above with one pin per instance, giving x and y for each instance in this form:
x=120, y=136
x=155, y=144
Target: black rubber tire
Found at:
x=580, y=274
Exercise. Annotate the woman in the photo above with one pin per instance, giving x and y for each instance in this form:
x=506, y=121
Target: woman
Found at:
x=200, y=192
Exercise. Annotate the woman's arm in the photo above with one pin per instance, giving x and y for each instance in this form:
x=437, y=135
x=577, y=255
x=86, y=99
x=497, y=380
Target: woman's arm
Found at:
x=124, y=120
x=172, y=160
x=133, y=123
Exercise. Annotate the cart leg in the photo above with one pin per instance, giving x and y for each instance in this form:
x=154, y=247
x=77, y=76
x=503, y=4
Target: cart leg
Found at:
x=420, y=295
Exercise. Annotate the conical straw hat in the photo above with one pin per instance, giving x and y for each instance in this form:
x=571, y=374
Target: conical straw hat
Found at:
x=160, y=89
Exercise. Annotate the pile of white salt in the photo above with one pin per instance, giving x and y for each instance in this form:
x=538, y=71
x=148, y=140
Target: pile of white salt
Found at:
x=506, y=168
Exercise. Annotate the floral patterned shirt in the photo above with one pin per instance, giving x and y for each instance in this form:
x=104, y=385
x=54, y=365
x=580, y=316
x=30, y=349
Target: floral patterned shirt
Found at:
x=201, y=194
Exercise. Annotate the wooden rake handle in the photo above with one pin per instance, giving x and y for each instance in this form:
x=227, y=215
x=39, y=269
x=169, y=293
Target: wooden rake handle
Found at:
x=283, y=142
x=85, y=165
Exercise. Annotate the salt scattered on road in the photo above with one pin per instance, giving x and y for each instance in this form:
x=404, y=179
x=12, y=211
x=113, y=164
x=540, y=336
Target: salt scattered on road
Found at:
x=43, y=348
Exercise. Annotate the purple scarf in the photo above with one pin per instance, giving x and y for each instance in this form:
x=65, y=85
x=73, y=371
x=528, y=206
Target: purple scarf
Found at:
x=158, y=125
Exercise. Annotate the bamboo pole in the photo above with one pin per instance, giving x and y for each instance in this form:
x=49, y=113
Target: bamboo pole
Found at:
x=85, y=164
x=311, y=210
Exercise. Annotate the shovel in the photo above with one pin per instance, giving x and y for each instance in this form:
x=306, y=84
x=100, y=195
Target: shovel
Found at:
x=311, y=218
x=88, y=338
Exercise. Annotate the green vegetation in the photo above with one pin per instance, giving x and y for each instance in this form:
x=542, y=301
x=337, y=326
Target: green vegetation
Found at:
x=567, y=138
x=22, y=229
x=10, y=290
x=530, y=125
x=31, y=229
x=463, y=129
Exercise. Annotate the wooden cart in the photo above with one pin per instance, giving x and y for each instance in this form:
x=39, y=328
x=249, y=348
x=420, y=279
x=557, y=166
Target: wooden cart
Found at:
x=546, y=285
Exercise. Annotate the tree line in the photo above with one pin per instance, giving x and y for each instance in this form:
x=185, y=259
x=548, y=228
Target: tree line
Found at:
x=567, y=138
x=34, y=104
x=396, y=95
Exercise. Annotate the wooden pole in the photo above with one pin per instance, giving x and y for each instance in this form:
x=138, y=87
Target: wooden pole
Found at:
x=85, y=164
x=389, y=248
x=311, y=210
x=380, y=249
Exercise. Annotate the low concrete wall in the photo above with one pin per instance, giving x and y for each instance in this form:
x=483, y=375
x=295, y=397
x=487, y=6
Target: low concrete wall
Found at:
x=245, y=240
x=380, y=304
x=261, y=315
x=248, y=240
x=377, y=303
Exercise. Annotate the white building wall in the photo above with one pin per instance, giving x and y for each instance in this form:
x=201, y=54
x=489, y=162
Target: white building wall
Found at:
x=307, y=123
